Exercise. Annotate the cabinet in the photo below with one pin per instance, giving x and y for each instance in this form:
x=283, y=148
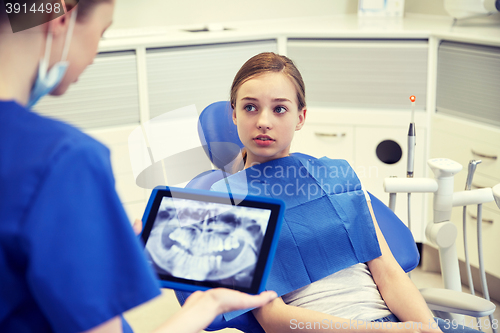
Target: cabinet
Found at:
x=373, y=74
x=461, y=141
x=372, y=170
x=200, y=75
x=318, y=140
x=468, y=81
x=105, y=95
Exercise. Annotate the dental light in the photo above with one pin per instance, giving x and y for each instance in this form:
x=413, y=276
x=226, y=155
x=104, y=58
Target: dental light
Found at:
x=469, y=8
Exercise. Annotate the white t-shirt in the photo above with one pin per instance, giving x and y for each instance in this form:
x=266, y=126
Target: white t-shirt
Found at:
x=350, y=293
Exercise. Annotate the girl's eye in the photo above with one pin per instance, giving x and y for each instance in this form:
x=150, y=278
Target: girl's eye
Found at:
x=250, y=108
x=280, y=109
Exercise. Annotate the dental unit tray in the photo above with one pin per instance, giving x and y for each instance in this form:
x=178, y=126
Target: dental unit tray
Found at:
x=197, y=239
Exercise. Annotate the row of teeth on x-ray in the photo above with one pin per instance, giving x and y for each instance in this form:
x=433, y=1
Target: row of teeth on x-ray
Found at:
x=188, y=266
x=211, y=243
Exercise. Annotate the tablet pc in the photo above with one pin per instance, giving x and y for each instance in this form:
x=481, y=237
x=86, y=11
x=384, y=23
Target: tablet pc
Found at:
x=198, y=239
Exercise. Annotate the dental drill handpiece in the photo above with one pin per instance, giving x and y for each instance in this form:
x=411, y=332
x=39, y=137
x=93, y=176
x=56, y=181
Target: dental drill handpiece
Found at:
x=468, y=184
x=411, y=140
x=470, y=174
x=411, y=153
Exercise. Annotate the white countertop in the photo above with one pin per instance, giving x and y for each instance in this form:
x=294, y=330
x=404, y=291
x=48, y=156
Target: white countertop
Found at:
x=413, y=26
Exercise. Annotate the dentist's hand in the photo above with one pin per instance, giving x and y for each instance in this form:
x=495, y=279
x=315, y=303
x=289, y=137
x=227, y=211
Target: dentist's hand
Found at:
x=224, y=300
x=202, y=307
x=137, y=226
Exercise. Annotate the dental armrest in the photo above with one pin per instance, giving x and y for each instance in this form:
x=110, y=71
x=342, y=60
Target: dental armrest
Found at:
x=452, y=301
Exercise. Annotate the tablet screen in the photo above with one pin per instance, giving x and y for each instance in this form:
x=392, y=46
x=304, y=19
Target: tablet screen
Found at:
x=200, y=240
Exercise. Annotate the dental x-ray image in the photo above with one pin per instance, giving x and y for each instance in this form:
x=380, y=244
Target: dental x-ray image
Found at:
x=206, y=241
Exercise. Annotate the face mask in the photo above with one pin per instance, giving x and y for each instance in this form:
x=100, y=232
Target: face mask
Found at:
x=48, y=80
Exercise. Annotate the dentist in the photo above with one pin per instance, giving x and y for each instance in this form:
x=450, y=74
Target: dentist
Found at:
x=69, y=260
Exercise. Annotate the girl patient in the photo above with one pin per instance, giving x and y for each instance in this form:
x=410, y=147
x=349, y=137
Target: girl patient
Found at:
x=268, y=101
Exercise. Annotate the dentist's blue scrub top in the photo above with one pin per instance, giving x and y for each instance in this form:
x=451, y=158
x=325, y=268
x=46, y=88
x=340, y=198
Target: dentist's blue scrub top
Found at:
x=69, y=259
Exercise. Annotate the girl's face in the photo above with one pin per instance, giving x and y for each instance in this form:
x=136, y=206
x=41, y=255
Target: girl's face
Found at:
x=267, y=115
x=84, y=43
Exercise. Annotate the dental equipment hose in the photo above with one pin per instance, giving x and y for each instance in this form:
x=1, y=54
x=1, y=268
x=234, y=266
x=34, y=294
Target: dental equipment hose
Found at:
x=468, y=184
x=482, y=272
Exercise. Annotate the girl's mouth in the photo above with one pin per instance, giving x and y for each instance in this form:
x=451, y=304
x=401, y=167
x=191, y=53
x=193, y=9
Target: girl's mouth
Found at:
x=263, y=141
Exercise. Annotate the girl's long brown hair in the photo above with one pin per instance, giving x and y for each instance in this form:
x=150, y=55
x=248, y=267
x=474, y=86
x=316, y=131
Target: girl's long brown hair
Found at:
x=267, y=62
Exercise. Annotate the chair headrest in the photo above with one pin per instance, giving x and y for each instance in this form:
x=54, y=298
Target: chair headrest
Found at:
x=218, y=134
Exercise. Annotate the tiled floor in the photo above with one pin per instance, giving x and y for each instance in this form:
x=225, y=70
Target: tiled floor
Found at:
x=150, y=315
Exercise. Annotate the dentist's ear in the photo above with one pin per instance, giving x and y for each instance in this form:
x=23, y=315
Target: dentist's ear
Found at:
x=59, y=25
x=302, y=119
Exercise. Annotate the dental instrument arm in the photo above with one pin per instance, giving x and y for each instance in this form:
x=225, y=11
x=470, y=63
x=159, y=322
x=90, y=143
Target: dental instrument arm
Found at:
x=395, y=185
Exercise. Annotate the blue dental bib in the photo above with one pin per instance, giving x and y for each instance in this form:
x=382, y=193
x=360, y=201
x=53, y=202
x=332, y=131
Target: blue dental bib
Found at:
x=327, y=225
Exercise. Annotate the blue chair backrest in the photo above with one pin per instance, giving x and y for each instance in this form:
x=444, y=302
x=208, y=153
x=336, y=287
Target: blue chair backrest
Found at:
x=218, y=134
x=215, y=126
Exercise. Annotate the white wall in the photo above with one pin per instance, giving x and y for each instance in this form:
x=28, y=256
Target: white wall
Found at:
x=141, y=13
x=428, y=7
x=144, y=13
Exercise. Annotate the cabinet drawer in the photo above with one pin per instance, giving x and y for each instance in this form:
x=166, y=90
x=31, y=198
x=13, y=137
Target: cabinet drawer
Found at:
x=325, y=140
x=463, y=141
x=490, y=157
x=462, y=150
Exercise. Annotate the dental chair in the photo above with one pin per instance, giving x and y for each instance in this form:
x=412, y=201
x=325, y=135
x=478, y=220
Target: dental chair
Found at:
x=222, y=145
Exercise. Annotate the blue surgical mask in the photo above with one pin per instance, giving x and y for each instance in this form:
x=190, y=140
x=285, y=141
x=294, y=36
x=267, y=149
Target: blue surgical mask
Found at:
x=48, y=80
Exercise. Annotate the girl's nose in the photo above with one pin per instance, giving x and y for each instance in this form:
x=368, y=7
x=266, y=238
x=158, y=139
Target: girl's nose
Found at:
x=264, y=121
